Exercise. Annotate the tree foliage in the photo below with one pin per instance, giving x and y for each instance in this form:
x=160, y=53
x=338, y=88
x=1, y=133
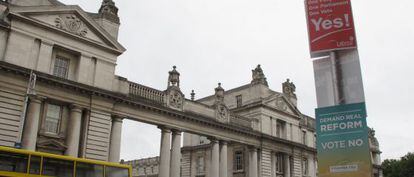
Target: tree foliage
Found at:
x=399, y=168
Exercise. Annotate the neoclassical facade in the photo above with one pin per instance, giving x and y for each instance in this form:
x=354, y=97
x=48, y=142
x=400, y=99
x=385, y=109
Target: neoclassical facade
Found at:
x=258, y=109
x=272, y=113
x=44, y=44
x=59, y=94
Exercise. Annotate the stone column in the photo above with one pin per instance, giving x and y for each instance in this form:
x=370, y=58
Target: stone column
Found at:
x=274, y=162
x=115, y=141
x=74, y=128
x=164, y=168
x=215, y=159
x=223, y=159
x=253, y=162
x=31, y=125
x=287, y=165
x=175, y=154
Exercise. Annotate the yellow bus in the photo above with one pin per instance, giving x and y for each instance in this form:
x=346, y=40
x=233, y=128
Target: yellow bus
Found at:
x=24, y=163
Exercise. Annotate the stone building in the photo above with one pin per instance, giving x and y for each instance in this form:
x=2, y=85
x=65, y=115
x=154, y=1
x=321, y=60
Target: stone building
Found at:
x=260, y=109
x=52, y=57
x=147, y=167
x=272, y=113
x=59, y=94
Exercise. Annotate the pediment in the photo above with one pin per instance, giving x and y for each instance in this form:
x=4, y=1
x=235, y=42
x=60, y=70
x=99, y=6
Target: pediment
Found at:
x=51, y=144
x=280, y=102
x=71, y=20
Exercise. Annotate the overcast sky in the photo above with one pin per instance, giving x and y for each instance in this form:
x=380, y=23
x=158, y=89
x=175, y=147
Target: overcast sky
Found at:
x=214, y=41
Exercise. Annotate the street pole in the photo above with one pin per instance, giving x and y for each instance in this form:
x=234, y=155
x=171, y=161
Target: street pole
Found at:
x=29, y=91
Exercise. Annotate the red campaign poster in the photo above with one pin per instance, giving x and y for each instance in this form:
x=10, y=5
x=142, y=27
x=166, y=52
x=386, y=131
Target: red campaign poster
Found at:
x=330, y=25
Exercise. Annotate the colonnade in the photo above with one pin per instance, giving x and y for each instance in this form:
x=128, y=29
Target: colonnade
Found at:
x=170, y=150
x=170, y=153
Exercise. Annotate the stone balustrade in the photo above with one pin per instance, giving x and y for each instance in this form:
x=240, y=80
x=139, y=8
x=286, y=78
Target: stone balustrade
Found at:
x=141, y=91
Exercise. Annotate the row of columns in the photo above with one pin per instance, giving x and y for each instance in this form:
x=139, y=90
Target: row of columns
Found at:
x=218, y=158
x=31, y=128
x=170, y=153
x=219, y=162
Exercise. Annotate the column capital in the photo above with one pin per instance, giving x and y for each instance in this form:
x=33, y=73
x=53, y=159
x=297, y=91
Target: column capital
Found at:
x=117, y=118
x=213, y=139
x=47, y=42
x=164, y=129
x=224, y=142
x=176, y=132
x=253, y=148
x=36, y=98
x=75, y=108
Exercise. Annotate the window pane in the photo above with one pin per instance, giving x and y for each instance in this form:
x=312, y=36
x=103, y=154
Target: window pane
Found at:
x=57, y=167
x=279, y=163
x=61, y=67
x=200, y=165
x=52, y=119
x=35, y=165
x=239, y=160
x=89, y=170
x=13, y=162
x=116, y=172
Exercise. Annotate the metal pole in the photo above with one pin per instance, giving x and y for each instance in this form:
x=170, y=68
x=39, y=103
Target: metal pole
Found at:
x=30, y=91
x=337, y=79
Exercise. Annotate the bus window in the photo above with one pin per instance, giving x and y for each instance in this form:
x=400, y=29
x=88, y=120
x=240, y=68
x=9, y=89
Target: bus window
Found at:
x=89, y=170
x=35, y=165
x=57, y=167
x=116, y=172
x=12, y=162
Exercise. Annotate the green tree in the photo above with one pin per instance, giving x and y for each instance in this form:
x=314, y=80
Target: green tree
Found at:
x=399, y=168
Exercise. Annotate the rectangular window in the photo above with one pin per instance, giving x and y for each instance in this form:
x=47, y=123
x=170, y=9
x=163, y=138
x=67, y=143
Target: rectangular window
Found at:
x=305, y=167
x=238, y=161
x=53, y=118
x=11, y=162
x=89, y=170
x=239, y=101
x=279, y=164
x=280, y=129
x=35, y=165
x=304, y=139
x=61, y=67
x=57, y=167
x=200, y=165
x=116, y=172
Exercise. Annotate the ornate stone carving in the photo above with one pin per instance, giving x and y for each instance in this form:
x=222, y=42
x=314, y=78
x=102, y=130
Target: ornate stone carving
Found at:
x=281, y=104
x=174, y=78
x=175, y=99
x=222, y=113
x=289, y=88
x=72, y=24
x=258, y=76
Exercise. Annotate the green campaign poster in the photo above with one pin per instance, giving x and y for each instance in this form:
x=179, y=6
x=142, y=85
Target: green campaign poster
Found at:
x=342, y=141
